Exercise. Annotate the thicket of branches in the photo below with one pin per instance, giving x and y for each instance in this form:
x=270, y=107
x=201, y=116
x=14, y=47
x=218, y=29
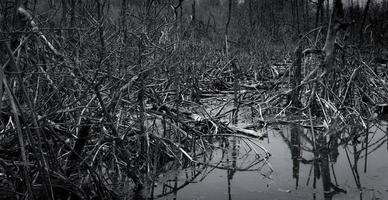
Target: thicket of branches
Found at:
x=97, y=93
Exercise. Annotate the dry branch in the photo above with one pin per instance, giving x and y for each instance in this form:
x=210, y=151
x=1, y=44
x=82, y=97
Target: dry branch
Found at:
x=246, y=132
x=35, y=29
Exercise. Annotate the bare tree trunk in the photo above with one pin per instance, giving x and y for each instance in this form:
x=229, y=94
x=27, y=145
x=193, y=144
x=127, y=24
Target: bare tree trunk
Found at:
x=297, y=16
x=303, y=15
x=251, y=23
x=293, y=12
x=296, y=77
x=236, y=90
x=123, y=29
x=335, y=24
x=319, y=13
x=364, y=19
x=274, y=24
x=193, y=11
x=327, y=11
x=72, y=13
x=100, y=16
x=233, y=65
x=351, y=3
x=123, y=25
x=229, y=17
x=307, y=15
x=227, y=28
x=36, y=2
x=64, y=13
x=261, y=17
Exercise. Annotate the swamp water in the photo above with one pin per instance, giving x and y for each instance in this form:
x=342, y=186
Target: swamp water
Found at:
x=294, y=170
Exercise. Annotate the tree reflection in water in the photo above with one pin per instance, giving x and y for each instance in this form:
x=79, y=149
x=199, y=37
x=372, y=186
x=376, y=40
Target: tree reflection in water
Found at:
x=325, y=151
x=313, y=153
x=324, y=146
x=227, y=155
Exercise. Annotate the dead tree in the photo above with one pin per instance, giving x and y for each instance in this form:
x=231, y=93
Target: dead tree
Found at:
x=319, y=12
x=335, y=25
x=296, y=77
x=364, y=19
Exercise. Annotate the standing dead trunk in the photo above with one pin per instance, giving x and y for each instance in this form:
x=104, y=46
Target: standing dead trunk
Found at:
x=124, y=33
x=193, y=11
x=251, y=22
x=307, y=16
x=100, y=16
x=293, y=12
x=319, y=12
x=236, y=90
x=64, y=13
x=72, y=13
x=296, y=77
x=141, y=97
x=227, y=28
x=327, y=11
x=297, y=16
x=335, y=24
x=364, y=19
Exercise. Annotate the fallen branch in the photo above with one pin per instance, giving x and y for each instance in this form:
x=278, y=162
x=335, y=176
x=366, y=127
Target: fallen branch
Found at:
x=247, y=132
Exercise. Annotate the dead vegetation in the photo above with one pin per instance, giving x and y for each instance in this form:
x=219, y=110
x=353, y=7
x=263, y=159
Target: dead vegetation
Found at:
x=90, y=106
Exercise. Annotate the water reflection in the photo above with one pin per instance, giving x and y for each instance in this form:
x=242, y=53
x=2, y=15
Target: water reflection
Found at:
x=229, y=155
x=324, y=151
x=346, y=163
x=355, y=143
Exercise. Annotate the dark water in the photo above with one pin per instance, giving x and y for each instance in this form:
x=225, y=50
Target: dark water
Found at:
x=293, y=171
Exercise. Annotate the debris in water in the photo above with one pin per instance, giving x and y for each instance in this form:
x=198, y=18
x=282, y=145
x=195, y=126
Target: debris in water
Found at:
x=283, y=190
